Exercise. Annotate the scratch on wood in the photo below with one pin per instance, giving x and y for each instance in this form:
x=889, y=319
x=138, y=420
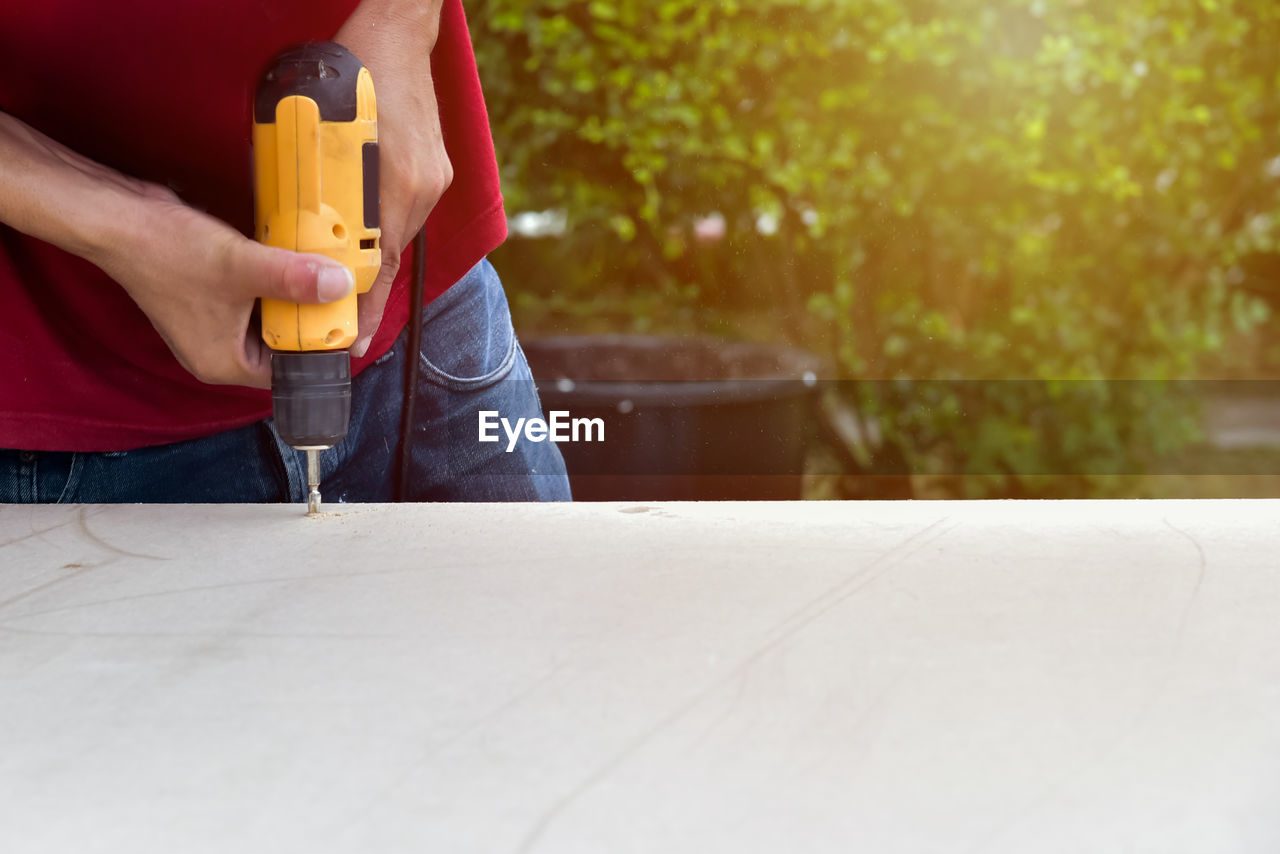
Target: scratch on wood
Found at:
x=788, y=628
x=1096, y=759
x=227, y=585
x=61, y=579
x=361, y=815
x=211, y=635
x=1200, y=574
x=33, y=534
x=82, y=517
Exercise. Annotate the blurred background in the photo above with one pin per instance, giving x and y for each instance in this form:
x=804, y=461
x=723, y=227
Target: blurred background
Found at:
x=1010, y=247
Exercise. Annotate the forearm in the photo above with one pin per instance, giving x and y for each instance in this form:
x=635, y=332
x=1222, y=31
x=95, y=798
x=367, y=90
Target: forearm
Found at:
x=412, y=21
x=54, y=194
x=394, y=39
x=195, y=277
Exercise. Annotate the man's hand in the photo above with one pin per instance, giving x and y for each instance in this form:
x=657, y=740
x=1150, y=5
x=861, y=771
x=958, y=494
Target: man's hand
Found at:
x=394, y=40
x=195, y=277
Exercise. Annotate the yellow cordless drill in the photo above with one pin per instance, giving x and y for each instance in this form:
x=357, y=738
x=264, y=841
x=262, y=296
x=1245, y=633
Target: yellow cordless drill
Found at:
x=315, y=143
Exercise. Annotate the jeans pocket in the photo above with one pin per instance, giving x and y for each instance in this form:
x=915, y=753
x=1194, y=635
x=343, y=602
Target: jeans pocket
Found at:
x=467, y=338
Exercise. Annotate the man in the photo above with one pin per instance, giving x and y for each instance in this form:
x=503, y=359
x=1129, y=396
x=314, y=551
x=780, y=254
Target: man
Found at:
x=129, y=370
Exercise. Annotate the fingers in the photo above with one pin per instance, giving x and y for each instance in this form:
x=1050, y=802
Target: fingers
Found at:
x=223, y=346
x=416, y=171
x=256, y=367
x=373, y=303
x=197, y=280
x=266, y=271
x=408, y=198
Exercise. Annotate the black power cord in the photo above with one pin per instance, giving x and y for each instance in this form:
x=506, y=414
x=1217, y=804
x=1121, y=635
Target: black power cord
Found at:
x=416, y=298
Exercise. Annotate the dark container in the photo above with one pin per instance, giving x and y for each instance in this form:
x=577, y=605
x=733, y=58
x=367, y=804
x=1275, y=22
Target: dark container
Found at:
x=684, y=419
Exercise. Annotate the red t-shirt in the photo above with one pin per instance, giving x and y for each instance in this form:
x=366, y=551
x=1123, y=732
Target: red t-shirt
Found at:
x=162, y=91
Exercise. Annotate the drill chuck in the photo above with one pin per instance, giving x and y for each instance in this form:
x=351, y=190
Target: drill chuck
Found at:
x=311, y=397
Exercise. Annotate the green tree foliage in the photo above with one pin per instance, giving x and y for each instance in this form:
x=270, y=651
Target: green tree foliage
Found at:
x=929, y=189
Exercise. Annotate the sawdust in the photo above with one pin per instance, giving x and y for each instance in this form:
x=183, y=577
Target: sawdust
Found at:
x=332, y=514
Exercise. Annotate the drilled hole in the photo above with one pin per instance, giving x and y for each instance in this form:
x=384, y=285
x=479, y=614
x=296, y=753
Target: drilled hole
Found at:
x=334, y=336
x=339, y=232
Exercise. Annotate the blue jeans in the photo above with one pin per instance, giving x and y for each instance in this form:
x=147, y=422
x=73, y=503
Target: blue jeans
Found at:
x=470, y=361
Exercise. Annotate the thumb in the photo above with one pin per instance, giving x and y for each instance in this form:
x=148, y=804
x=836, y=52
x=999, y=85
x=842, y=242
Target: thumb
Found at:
x=274, y=273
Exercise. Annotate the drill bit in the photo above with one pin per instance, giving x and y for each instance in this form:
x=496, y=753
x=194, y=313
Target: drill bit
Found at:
x=313, y=482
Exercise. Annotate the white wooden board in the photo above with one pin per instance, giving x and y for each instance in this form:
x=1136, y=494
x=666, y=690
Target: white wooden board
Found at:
x=859, y=677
